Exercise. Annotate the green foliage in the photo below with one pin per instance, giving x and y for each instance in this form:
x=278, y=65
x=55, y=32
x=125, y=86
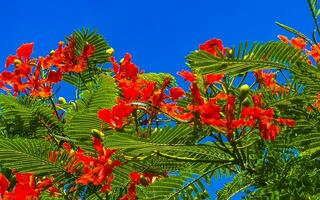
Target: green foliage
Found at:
x=239, y=183
x=28, y=155
x=82, y=117
x=287, y=168
x=246, y=58
x=27, y=117
x=158, y=77
x=96, y=62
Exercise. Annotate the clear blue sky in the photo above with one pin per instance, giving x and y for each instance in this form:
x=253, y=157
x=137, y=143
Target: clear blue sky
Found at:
x=159, y=34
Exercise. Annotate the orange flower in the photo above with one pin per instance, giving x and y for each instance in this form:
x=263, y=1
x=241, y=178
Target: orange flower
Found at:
x=268, y=80
x=298, y=43
x=22, y=55
x=116, y=117
x=4, y=184
x=213, y=78
x=176, y=93
x=126, y=70
x=212, y=46
x=315, y=52
x=284, y=39
x=188, y=76
x=99, y=170
x=66, y=60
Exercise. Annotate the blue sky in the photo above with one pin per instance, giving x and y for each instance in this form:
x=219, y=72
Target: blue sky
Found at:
x=159, y=34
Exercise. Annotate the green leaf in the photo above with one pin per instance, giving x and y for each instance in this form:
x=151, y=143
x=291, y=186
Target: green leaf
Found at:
x=259, y=56
x=28, y=155
x=81, y=120
x=27, y=116
x=294, y=31
x=238, y=184
x=157, y=77
x=95, y=63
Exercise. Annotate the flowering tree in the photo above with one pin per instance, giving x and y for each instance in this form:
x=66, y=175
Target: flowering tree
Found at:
x=250, y=112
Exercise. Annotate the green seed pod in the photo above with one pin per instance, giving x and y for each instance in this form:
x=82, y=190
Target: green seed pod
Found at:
x=62, y=100
x=110, y=51
x=17, y=62
x=52, y=52
x=97, y=133
x=244, y=91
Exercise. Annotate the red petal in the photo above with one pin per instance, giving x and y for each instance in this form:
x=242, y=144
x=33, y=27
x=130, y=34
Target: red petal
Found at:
x=10, y=60
x=188, y=76
x=25, y=50
x=105, y=115
x=135, y=177
x=176, y=93
x=54, y=76
x=4, y=184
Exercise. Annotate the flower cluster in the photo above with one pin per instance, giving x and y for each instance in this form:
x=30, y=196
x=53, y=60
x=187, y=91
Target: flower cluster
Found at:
x=298, y=43
x=301, y=44
x=36, y=77
x=137, y=178
x=218, y=111
x=96, y=170
x=26, y=187
x=268, y=80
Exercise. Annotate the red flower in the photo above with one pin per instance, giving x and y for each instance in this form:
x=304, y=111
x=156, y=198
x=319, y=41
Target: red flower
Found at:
x=66, y=60
x=288, y=122
x=315, y=52
x=127, y=70
x=97, y=144
x=176, y=93
x=44, y=92
x=24, y=189
x=188, y=76
x=298, y=43
x=209, y=112
x=195, y=92
x=54, y=77
x=147, y=90
x=229, y=109
x=212, y=46
x=135, y=177
x=4, y=184
x=22, y=55
x=67, y=146
x=268, y=80
x=116, y=117
x=213, y=78
x=265, y=119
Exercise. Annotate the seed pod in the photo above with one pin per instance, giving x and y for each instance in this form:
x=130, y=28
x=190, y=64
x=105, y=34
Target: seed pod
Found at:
x=17, y=62
x=52, y=52
x=62, y=100
x=244, y=91
x=97, y=133
x=110, y=51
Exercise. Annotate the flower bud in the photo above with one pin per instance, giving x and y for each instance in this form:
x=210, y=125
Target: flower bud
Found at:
x=62, y=100
x=244, y=91
x=17, y=62
x=52, y=52
x=97, y=133
x=110, y=51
